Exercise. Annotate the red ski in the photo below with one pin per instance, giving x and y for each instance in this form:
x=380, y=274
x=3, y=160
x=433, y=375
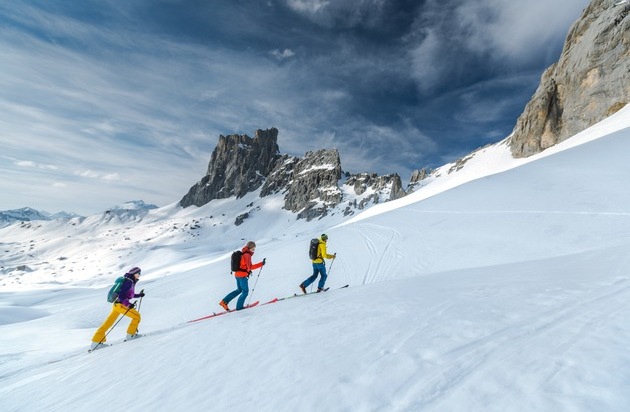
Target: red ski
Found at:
x=251, y=305
x=274, y=300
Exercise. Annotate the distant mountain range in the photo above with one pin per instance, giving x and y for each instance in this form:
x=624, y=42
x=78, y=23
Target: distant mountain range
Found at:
x=27, y=214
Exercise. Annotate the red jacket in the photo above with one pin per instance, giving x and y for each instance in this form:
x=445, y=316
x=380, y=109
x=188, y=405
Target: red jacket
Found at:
x=246, y=263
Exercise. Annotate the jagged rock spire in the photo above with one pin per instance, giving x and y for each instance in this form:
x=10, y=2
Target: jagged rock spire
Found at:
x=239, y=164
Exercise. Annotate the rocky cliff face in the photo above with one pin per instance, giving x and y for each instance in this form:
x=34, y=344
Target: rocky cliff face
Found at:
x=313, y=187
x=417, y=176
x=373, y=189
x=310, y=185
x=590, y=82
x=239, y=164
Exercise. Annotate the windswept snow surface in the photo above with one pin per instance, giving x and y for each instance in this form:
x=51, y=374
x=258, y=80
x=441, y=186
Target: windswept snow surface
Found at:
x=510, y=292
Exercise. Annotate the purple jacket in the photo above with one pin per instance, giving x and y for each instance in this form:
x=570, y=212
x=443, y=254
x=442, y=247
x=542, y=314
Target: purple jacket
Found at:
x=127, y=290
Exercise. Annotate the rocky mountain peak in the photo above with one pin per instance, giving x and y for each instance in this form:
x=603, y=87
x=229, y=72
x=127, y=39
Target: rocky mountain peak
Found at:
x=314, y=184
x=372, y=188
x=310, y=184
x=590, y=81
x=239, y=164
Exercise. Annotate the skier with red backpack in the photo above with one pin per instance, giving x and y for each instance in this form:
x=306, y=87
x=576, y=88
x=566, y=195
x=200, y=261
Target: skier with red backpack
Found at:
x=242, y=267
x=317, y=253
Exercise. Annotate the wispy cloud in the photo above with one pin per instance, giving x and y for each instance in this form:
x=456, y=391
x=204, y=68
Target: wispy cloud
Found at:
x=503, y=29
x=341, y=13
x=105, y=100
x=449, y=38
x=28, y=163
x=91, y=174
x=282, y=55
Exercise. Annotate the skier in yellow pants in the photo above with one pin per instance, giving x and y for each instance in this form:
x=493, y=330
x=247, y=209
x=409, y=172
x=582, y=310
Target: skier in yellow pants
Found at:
x=122, y=306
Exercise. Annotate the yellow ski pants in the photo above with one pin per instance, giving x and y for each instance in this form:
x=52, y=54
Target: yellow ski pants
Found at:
x=117, y=309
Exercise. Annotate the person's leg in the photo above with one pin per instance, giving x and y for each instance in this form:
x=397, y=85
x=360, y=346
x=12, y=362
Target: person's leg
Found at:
x=324, y=276
x=99, y=335
x=313, y=277
x=234, y=293
x=244, y=286
x=135, y=321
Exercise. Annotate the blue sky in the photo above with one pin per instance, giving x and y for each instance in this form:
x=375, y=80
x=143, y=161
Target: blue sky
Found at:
x=107, y=101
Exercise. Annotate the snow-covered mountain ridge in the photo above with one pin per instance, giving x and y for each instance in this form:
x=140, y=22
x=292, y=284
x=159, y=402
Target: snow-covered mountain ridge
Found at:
x=99, y=246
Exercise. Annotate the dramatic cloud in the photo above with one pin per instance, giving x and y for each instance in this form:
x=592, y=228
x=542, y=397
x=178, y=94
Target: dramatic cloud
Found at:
x=504, y=29
x=125, y=92
x=451, y=39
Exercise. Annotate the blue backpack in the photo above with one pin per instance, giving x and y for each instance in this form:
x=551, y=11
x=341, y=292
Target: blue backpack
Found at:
x=112, y=295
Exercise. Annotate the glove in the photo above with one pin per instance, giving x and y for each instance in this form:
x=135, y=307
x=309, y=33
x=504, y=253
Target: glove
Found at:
x=335, y=256
x=264, y=261
x=141, y=294
x=132, y=305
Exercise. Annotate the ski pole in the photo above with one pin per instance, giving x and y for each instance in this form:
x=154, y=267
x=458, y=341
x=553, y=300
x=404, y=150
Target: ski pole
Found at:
x=254, y=288
x=329, y=271
x=333, y=262
x=140, y=304
x=112, y=328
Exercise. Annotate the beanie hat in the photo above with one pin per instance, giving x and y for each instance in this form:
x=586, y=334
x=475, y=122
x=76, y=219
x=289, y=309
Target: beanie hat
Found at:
x=324, y=236
x=134, y=270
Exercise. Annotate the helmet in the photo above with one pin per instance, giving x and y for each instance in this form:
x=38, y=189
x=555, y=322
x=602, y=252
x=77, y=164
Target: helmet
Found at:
x=324, y=236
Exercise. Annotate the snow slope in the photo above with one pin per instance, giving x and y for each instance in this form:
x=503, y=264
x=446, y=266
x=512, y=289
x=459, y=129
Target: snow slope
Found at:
x=506, y=292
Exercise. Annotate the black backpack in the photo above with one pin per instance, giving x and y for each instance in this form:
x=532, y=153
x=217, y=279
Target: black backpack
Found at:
x=235, y=262
x=313, y=248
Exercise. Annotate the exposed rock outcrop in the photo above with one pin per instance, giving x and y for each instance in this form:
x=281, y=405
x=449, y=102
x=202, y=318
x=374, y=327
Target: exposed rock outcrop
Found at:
x=314, y=184
x=239, y=165
x=417, y=176
x=590, y=81
x=376, y=189
x=310, y=184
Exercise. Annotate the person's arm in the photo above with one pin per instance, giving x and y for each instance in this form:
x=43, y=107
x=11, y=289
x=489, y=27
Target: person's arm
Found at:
x=325, y=253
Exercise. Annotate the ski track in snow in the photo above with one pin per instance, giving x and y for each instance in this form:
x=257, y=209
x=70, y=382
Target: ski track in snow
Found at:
x=381, y=244
x=479, y=359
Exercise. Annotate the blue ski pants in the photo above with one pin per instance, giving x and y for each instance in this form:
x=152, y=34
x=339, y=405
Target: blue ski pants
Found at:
x=318, y=269
x=242, y=288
